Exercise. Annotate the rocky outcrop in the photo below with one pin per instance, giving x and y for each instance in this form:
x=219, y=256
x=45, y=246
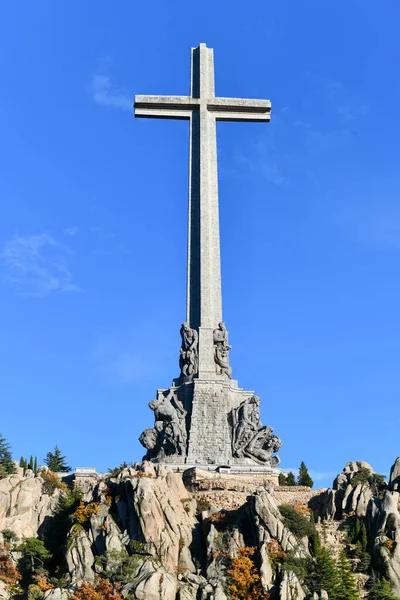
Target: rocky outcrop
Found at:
x=154, y=508
x=345, y=497
x=290, y=588
x=79, y=556
x=376, y=504
x=269, y=523
x=176, y=550
x=57, y=594
x=394, y=479
x=4, y=594
x=23, y=505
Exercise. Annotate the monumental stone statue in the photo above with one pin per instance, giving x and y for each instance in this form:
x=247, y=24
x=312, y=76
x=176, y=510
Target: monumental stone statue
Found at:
x=169, y=436
x=220, y=338
x=250, y=438
x=188, y=359
x=204, y=418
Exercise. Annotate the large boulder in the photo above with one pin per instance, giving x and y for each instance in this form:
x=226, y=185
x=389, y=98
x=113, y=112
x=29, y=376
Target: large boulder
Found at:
x=4, y=594
x=157, y=511
x=266, y=512
x=152, y=582
x=56, y=594
x=23, y=505
x=79, y=556
x=394, y=480
x=291, y=588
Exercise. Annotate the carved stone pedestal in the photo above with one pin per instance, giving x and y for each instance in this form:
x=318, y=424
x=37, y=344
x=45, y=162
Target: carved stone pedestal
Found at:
x=207, y=421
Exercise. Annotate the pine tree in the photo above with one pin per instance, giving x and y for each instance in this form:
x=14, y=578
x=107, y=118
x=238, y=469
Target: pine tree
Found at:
x=347, y=588
x=363, y=537
x=56, y=462
x=35, y=466
x=290, y=479
x=382, y=591
x=304, y=476
x=7, y=466
x=327, y=574
x=282, y=479
x=315, y=540
x=30, y=465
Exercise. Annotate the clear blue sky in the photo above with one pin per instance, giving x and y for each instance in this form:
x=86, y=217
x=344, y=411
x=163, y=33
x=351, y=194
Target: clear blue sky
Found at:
x=94, y=211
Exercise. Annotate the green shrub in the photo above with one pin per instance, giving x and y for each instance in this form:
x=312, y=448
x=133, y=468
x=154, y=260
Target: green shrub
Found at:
x=34, y=555
x=9, y=536
x=52, y=482
x=295, y=522
x=117, y=470
x=7, y=466
x=282, y=479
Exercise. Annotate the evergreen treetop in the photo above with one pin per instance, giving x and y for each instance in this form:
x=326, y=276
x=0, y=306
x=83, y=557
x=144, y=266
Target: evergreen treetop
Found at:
x=382, y=591
x=327, y=577
x=304, y=476
x=347, y=586
x=290, y=479
x=282, y=479
x=7, y=466
x=56, y=462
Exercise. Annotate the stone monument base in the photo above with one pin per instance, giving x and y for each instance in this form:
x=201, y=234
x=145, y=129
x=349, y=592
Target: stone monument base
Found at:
x=199, y=480
x=180, y=464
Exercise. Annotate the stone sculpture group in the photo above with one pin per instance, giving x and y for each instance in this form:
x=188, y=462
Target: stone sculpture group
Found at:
x=169, y=436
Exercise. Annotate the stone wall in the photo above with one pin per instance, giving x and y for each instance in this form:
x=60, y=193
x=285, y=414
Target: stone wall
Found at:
x=296, y=495
x=198, y=480
x=230, y=491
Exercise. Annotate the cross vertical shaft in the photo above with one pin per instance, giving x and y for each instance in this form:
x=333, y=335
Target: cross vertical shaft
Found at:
x=204, y=300
x=203, y=109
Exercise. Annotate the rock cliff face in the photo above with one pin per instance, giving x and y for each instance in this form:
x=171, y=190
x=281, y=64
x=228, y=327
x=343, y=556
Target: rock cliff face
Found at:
x=144, y=532
x=23, y=505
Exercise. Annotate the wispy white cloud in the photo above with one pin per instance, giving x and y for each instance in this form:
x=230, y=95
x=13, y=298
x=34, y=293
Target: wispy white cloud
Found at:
x=348, y=106
x=71, y=231
x=105, y=93
x=322, y=475
x=37, y=265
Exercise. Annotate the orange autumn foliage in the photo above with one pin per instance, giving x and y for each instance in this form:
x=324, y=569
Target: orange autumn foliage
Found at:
x=8, y=572
x=52, y=482
x=104, y=590
x=245, y=581
x=43, y=583
x=108, y=496
x=390, y=545
x=219, y=517
x=275, y=552
x=85, y=511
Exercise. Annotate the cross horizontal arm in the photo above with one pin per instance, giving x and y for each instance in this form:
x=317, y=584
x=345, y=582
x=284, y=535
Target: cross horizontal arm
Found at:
x=165, y=107
x=238, y=109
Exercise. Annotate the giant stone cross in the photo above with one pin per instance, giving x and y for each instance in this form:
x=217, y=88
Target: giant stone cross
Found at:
x=204, y=418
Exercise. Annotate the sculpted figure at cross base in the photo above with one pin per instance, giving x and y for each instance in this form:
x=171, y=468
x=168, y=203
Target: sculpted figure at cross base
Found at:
x=250, y=438
x=169, y=435
x=189, y=353
x=221, y=350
